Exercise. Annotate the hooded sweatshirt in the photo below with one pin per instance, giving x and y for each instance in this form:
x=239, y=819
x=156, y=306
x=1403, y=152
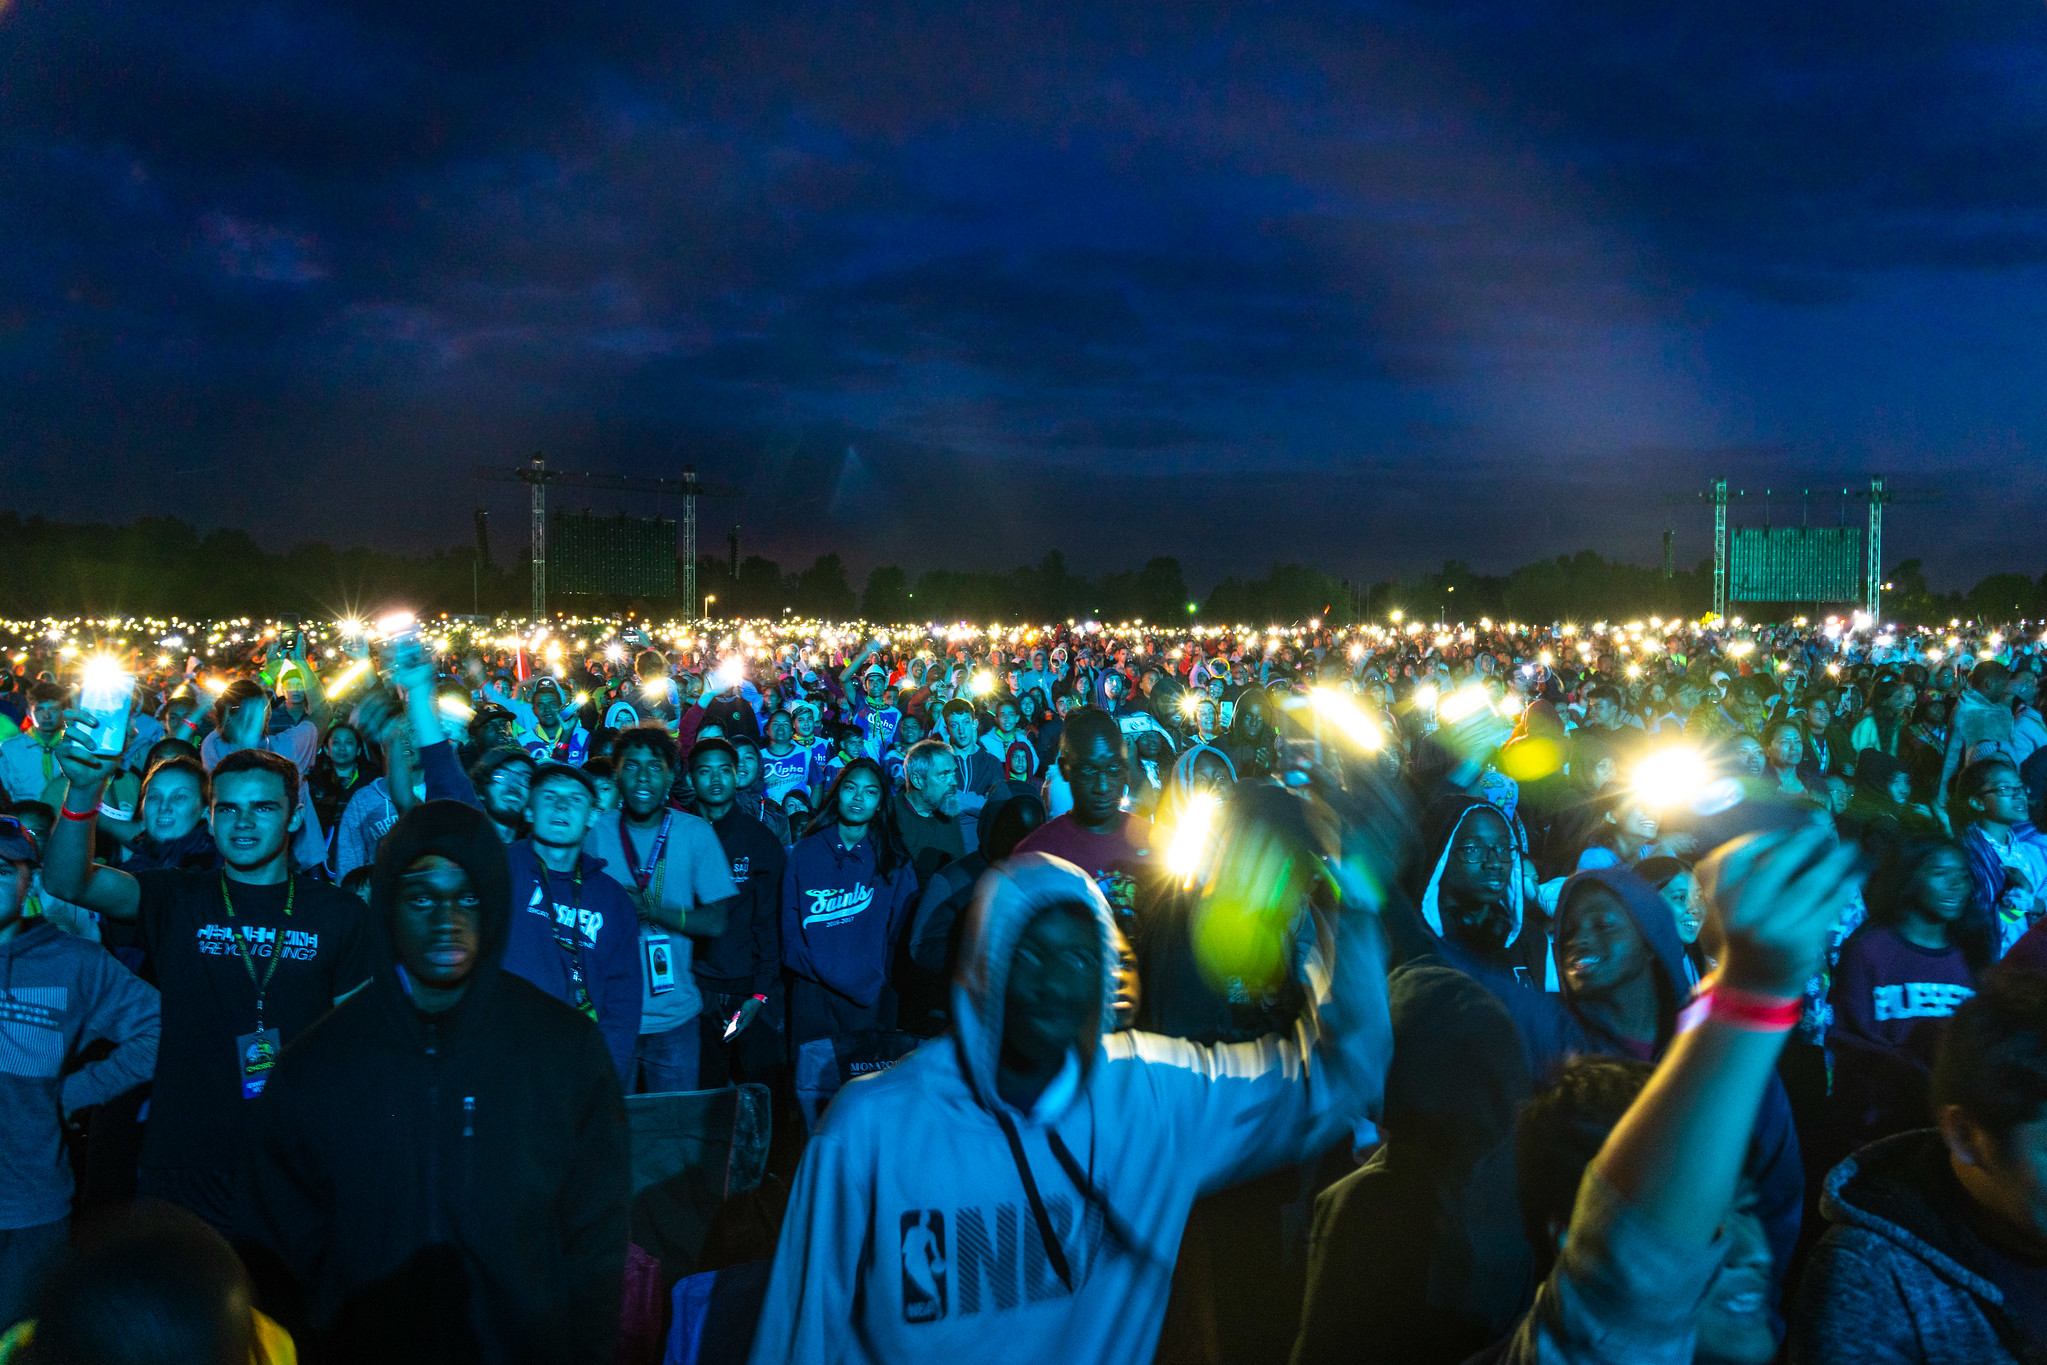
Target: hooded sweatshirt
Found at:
x=1420, y=1256
x=1901, y=1274
x=446, y=1187
x=841, y=917
x=927, y=1211
x=57, y=994
x=1774, y=1164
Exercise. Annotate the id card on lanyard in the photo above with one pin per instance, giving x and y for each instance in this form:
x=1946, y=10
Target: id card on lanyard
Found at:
x=256, y=1052
x=648, y=879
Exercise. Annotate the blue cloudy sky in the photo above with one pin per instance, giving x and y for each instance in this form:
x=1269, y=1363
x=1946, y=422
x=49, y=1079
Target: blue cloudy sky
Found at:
x=1370, y=285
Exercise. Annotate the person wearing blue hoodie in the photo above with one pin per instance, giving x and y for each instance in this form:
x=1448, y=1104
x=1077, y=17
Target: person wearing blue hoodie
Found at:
x=847, y=894
x=574, y=932
x=1622, y=983
x=1017, y=1190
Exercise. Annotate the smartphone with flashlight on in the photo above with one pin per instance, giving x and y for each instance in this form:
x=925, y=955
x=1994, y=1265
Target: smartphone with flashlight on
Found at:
x=106, y=694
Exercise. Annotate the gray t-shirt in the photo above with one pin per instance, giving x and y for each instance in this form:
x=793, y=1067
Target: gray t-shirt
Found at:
x=691, y=871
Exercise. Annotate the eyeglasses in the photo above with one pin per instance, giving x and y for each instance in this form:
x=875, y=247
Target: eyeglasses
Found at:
x=2008, y=790
x=1472, y=855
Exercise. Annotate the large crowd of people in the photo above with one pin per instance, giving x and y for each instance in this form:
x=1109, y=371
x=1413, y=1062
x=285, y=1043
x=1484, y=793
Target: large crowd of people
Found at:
x=1645, y=992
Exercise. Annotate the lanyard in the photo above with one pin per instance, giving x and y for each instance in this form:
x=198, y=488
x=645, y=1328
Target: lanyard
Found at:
x=248, y=956
x=642, y=875
x=565, y=936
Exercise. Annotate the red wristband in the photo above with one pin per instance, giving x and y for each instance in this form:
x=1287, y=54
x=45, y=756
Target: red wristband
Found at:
x=762, y=998
x=1740, y=1009
x=79, y=815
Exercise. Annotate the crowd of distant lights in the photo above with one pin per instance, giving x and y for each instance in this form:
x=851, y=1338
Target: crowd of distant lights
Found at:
x=103, y=648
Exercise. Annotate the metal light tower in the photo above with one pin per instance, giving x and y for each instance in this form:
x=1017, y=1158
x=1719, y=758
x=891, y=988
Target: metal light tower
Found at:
x=693, y=603
x=1877, y=499
x=1720, y=548
x=538, y=480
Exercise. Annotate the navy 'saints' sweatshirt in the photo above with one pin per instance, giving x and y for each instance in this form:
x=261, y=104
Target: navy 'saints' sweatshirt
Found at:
x=841, y=917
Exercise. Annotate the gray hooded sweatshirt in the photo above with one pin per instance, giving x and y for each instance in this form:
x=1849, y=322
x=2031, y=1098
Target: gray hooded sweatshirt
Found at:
x=57, y=994
x=932, y=1220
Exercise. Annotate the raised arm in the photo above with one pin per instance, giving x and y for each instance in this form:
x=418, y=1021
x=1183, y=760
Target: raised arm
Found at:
x=68, y=869
x=1677, y=1153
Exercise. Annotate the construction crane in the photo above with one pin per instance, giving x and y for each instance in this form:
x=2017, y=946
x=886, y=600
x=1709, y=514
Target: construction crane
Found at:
x=1878, y=495
x=538, y=476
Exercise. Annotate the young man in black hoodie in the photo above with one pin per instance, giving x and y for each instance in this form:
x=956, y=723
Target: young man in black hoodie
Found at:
x=441, y=1166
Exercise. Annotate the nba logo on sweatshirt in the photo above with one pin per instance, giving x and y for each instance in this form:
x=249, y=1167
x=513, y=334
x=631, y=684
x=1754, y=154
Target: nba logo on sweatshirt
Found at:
x=923, y=1265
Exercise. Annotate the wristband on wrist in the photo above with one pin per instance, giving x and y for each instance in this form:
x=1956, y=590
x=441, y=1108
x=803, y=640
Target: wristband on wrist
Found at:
x=762, y=998
x=79, y=815
x=1746, y=1010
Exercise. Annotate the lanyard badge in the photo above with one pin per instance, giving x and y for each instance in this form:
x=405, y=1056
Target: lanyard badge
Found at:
x=256, y=1053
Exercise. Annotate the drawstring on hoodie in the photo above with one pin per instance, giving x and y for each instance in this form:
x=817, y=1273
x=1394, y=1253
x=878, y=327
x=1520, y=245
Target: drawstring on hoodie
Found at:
x=1054, y=1253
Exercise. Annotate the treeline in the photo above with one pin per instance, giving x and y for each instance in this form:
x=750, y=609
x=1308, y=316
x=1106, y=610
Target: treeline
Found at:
x=162, y=567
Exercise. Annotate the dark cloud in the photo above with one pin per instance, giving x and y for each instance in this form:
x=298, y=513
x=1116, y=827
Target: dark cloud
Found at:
x=937, y=282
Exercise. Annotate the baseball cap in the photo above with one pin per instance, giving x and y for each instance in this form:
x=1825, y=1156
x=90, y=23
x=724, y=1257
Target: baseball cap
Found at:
x=17, y=844
x=549, y=771
x=550, y=683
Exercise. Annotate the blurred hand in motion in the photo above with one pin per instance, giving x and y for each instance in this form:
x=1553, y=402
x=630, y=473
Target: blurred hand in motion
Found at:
x=1774, y=898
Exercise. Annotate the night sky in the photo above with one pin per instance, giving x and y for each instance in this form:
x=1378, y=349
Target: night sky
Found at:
x=950, y=285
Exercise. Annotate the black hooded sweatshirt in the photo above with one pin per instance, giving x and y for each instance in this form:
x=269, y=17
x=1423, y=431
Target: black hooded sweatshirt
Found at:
x=452, y=1187
x=1420, y=1257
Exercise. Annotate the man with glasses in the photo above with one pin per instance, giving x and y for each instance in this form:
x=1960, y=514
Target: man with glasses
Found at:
x=503, y=779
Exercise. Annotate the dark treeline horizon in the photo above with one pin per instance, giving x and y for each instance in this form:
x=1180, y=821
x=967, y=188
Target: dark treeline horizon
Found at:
x=162, y=566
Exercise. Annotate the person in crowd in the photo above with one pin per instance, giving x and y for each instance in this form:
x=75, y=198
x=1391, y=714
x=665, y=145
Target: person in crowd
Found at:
x=676, y=874
x=1936, y=1248
x=1673, y=877
x=1419, y=1258
x=1784, y=750
x=576, y=935
x=503, y=779
x=1655, y=1250
x=1474, y=901
x=604, y=773
x=342, y=769
x=28, y=760
x=785, y=766
x=440, y=1166
x=172, y=831
x=1625, y=835
x=1981, y=724
x=160, y=1287
x=1882, y=727
x=1098, y=836
x=977, y=773
x=1007, y=731
x=549, y=731
x=846, y=897
x=927, y=809
x=1031, y=1180
x=940, y=914
x=753, y=798
x=1900, y=976
x=2007, y=854
x=76, y=1028
x=738, y=971
x=247, y=956
x=1879, y=810
x=375, y=808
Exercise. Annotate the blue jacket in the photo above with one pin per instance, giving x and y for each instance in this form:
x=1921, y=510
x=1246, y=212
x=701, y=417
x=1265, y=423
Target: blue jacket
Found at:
x=602, y=921
x=606, y=931
x=840, y=917
x=1987, y=874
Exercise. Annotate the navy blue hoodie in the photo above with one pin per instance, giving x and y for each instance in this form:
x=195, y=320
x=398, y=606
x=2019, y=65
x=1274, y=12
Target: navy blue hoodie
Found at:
x=1773, y=1159
x=840, y=917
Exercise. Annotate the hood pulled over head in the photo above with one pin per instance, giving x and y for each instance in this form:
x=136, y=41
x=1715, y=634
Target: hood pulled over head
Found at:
x=1005, y=902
